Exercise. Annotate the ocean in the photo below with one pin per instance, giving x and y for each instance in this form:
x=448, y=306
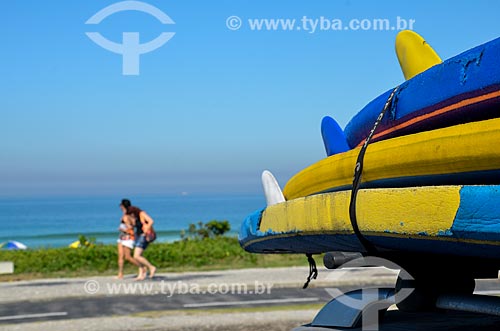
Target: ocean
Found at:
x=57, y=222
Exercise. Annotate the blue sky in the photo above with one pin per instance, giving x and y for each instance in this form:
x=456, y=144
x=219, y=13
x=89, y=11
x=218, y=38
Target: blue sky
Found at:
x=211, y=108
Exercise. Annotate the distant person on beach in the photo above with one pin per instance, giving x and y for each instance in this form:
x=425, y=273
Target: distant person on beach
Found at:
x=126, y=242
x=143, y=225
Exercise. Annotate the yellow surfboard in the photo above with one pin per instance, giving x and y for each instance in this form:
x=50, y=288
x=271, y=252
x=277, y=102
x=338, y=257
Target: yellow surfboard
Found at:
x=430, y=210
x=460, y=149
x=415, y=55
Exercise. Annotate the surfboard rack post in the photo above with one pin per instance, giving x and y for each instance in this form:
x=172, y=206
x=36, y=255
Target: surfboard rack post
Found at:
x=359, y=307
x=333, y=260
x=365, y=305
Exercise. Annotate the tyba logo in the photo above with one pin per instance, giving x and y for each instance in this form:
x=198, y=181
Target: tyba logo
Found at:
x=130, y=48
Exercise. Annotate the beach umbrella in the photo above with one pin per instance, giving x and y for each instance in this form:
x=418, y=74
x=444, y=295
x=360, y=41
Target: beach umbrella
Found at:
x=12, y=244
x=75, y=244
x=78, y=243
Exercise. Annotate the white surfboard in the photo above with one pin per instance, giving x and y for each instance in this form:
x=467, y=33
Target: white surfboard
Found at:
x=272, y=189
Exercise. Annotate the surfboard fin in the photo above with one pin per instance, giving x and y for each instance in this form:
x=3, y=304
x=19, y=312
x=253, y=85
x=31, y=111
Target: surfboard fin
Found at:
x=333, y=137
x=415, y=55
x=272, y=189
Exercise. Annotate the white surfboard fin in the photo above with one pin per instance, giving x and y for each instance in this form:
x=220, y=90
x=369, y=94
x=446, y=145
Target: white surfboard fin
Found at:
x=272, y=189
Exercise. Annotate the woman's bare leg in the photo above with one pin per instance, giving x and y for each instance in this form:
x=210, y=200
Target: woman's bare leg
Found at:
x=141, y=273
x=120, y=261
x=128, y=256
x=142, y=260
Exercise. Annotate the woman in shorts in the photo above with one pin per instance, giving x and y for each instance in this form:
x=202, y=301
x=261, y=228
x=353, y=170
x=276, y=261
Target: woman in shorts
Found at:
x=126, y=241
x=143, y=224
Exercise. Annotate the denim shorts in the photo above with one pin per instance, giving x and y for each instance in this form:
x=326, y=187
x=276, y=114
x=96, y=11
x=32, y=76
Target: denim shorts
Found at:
x=141, y=242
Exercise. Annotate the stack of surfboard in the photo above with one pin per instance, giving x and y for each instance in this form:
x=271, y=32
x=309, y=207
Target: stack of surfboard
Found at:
x=431, y=172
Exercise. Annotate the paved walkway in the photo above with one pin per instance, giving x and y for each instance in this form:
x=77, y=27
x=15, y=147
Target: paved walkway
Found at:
x=183, y=321
x=86, y=290
x=172, y=283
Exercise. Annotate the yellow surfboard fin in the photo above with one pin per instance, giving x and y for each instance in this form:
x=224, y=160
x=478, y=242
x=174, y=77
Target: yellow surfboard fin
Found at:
x=415, y=55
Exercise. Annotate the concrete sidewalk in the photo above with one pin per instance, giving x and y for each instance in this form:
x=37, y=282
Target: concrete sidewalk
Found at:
x=47, y=289
x=180, y=321
x=43, y=291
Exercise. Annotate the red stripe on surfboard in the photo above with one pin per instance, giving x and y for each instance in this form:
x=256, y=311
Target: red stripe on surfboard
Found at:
x=460, y=104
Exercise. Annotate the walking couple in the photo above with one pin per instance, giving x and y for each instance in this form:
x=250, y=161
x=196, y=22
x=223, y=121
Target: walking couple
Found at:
x=136, y=232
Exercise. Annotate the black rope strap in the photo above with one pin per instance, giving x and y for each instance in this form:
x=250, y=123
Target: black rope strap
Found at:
x=313, y=271
x=358, y=171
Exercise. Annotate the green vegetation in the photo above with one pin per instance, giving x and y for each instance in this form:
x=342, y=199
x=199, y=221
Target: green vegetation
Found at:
x=84, y=242
x=203, y=247
x=210, y=253
x=211, y=229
